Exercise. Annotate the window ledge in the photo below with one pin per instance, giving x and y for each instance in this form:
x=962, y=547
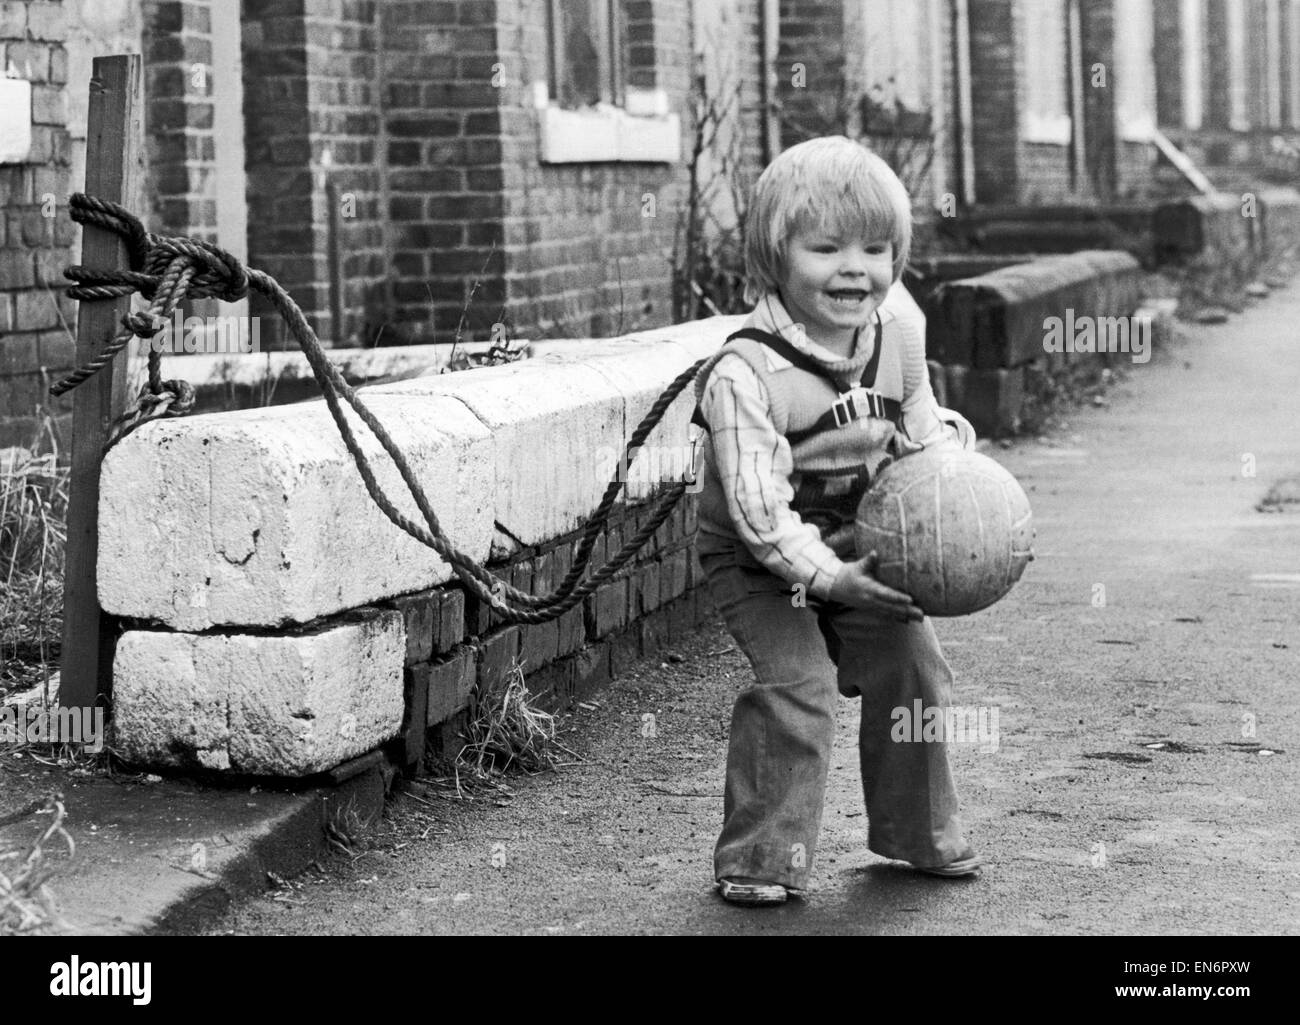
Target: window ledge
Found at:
x=605, y=134
x=1055, y=131
x=1138, y=128
x=15, y=120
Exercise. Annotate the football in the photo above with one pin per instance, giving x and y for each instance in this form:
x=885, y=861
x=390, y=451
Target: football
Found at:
x=952, y=529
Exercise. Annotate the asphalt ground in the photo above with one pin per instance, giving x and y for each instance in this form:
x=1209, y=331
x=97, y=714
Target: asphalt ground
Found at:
x=1143, y=673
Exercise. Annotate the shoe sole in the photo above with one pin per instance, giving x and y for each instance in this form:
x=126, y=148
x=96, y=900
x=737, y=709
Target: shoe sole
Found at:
x=969, y=867
x=751, y=895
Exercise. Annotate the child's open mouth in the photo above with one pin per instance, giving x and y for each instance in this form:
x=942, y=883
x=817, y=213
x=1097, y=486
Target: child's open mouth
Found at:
x=848, y=297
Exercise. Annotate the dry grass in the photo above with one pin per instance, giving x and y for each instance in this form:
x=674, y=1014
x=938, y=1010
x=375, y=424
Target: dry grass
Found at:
x=27, y=905
x=33, y=511
x=345, y=831
x=508, y=732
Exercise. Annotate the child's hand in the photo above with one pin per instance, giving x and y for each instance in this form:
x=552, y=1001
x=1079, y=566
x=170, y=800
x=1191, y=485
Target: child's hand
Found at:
x=857, y=586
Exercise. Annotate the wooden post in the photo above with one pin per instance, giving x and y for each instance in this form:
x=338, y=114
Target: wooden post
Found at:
x=113, y=171
x=335, y=261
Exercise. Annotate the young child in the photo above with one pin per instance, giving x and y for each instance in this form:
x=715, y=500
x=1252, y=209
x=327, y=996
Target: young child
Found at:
x=824, y=384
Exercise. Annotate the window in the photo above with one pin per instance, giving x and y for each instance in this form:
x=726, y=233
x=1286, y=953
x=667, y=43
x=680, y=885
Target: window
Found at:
x=1238, y=83
x=594, y=106
x=586, y=45
x=1293, y=61
x=1273, y=62
x=1046, y=115
x=1135, y=73
x=1193, y=65
x=898, y=53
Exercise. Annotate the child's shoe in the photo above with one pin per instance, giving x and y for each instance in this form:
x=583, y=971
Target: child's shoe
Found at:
x=967, y=863
x=742, y=890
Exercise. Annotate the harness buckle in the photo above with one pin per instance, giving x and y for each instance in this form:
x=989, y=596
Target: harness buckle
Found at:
x=855, y=404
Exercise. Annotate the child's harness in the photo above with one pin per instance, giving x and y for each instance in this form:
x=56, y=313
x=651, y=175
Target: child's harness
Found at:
x=827, y=498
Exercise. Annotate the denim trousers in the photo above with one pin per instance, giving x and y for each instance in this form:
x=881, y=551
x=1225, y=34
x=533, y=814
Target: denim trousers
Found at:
x=803, y=654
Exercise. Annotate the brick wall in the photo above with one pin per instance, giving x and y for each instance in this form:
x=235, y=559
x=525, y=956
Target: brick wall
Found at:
x=178, y=117
x=581, y=255
x=348, y=151
x=1290, y=64
x=1097, y=20
x=1215, y=82
x=455, y=646
x=1258, y=85
x=434, y=136
x=444, y=152
x=1169, y=59
x=284, y=234
x=1010, y=169
x=813, y=38
x=36, y=343
x=995, y=109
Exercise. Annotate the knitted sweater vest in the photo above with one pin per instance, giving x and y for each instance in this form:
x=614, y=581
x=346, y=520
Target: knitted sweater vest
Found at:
x=832, y=467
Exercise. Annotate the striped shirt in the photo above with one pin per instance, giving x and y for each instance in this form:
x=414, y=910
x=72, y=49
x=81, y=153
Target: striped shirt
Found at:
x=753, y=462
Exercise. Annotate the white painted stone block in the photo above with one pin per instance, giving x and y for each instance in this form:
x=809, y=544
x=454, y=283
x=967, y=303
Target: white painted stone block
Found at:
x=261, y=518
x=641, y=373
x=265, y=705
x=700, y=338
x=549, y=421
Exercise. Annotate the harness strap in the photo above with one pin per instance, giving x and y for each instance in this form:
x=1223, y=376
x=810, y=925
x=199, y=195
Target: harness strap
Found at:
x=853, y=404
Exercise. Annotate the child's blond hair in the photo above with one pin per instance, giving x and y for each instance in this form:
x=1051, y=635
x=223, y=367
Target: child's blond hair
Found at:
x=831, y=182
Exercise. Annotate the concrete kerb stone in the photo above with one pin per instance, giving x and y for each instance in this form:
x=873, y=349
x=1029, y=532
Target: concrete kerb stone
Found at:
x=1211, y=226
x=1281, y=217
x=641, y=377
x=260, y=518
x=290, y=705
x=546, y=420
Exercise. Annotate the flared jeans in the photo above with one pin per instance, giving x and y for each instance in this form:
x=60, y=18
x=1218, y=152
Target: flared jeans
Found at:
x=804, y=652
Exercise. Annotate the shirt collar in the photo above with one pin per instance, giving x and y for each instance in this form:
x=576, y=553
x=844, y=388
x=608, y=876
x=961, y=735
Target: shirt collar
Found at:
x=771, y=315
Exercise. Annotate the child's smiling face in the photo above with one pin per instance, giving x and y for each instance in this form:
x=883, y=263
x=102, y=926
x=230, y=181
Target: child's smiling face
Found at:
x=834, y=283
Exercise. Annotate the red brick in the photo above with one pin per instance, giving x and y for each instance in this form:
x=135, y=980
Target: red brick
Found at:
x=672, y=576
x=606, y=610
x=449, y=627
x=19, y=354
x=33, y=56
x=49, y=105
x=572, y=631
x=451, y=684
x=35, y=310
x=419, y=612
x=58, y=350
x=17, y=269
x=415, y=724
x=13, y=20
x=539, y=643
x=496, y=654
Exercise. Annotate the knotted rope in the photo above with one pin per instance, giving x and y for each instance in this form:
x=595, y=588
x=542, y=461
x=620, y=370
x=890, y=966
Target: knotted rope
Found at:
x=165, y=270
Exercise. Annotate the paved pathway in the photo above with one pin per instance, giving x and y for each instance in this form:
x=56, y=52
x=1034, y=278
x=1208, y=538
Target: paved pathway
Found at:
x=1088, y=827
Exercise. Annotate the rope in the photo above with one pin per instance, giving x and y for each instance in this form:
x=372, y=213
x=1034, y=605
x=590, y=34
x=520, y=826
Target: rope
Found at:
x=166, y=270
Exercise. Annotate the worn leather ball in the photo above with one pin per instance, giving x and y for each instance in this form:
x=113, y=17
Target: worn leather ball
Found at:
x=952, y=529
